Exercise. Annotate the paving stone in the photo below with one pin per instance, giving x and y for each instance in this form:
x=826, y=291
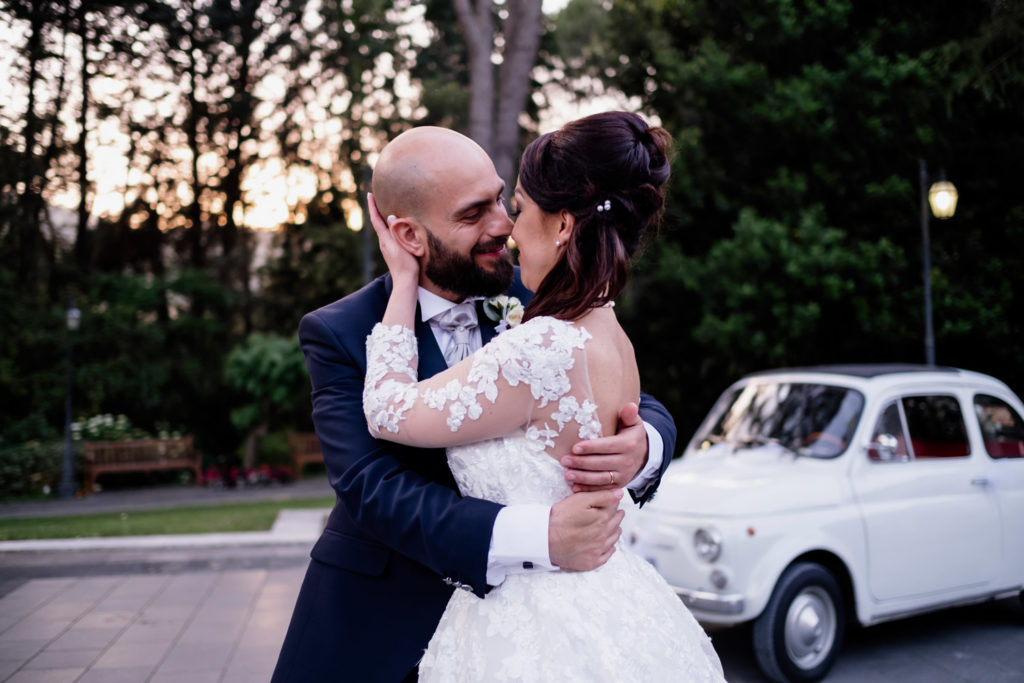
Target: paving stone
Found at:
x=8, y=667
x=103, y=618
x=31, y=628
x=250, y=671
x=209, y=656
x=78, y=638
x=61, y=659
x=189, y=677
x=137, y=674
x=149, y=629
x=128, y=655
x=6, y=622
x=62, y=610
x=46, y=676
x=20, y=650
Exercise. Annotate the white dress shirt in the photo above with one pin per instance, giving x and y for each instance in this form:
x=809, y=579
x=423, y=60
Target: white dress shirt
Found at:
x=519, y=540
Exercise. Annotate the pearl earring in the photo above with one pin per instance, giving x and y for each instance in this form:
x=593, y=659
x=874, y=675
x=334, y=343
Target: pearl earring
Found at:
x=558, y=243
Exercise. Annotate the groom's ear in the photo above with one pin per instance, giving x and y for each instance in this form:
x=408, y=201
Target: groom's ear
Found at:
x=410, y=235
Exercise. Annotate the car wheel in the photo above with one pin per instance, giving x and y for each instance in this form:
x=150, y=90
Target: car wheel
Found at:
x=799, y=633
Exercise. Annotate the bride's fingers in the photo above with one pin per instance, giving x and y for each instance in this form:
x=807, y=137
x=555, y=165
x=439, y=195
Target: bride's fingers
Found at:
x=376, y=219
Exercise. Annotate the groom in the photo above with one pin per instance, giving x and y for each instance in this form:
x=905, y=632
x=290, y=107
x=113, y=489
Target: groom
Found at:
x=400, y=537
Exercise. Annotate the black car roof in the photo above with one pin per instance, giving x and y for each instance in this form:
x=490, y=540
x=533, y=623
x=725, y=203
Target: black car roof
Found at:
x=861, y=370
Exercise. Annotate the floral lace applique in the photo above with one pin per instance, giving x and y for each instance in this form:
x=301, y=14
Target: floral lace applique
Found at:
x=585, y=415
x=538, y=354
x=394, y=351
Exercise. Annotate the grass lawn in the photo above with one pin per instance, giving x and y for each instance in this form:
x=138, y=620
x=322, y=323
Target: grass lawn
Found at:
x=199, y=519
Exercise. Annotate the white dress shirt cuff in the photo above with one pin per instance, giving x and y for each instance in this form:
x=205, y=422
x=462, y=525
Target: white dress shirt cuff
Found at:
x=655, y=456
x=519, y=542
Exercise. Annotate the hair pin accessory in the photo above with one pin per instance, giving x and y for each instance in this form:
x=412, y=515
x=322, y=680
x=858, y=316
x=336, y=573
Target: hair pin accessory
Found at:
x=606, y=205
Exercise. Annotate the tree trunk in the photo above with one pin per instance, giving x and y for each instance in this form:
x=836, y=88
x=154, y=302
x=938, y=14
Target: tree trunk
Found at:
x=81, y=234
x=477, y=24
x=194, y=230
x=252, y=446
x=522, y=39
x=29, y=204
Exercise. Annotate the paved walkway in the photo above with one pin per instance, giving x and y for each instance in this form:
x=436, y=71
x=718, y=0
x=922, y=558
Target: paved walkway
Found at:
x=207, y=608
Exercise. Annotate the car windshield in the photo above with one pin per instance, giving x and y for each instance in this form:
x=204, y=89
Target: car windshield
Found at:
x=807, y=419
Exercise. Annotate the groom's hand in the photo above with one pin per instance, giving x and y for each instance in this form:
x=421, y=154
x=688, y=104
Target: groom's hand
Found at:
x=583, y=529
x=609, y=462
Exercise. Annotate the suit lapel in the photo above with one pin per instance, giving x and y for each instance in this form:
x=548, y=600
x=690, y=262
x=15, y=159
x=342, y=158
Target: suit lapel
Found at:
x=486, y=324
x=431, y=358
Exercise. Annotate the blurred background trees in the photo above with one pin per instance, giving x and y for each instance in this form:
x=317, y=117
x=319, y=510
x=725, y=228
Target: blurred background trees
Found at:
x=189, y=172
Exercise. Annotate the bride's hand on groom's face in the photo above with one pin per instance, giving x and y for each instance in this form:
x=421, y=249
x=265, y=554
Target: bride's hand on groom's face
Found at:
x=609, y=462
x=401, y=264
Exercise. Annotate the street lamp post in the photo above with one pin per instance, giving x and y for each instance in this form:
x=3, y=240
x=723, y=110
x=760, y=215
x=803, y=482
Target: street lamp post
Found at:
x=73, y=317
x=941, y=199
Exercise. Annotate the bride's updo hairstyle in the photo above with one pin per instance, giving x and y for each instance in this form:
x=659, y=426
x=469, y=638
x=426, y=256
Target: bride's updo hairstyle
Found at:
x=608, y=170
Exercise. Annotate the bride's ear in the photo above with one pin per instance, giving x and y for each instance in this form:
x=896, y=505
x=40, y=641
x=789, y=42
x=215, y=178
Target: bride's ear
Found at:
x=566, y=226
x=409, y=234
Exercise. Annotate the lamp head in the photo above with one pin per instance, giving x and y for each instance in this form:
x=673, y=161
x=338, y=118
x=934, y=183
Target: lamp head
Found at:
x=73, y=318
x=942, y=197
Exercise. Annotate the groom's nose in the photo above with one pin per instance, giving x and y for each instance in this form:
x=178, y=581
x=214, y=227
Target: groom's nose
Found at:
x=501, y=225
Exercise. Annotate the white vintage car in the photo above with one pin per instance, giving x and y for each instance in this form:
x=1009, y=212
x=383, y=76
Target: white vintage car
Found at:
x=810, y=498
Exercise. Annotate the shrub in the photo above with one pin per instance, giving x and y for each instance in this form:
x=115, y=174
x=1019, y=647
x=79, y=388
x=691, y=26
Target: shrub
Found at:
x=30, y=468
x=106, y=427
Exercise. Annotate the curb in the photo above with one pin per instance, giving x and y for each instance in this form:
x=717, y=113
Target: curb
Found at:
x=290, y=527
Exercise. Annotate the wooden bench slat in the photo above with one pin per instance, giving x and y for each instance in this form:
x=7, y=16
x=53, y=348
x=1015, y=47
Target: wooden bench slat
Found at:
x=139, y=455
x=304, y=449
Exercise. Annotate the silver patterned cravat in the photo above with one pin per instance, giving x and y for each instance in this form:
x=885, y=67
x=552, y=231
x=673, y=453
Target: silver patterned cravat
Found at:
x=459, y=322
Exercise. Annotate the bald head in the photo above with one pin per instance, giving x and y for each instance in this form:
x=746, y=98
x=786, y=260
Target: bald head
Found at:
x=414, y=164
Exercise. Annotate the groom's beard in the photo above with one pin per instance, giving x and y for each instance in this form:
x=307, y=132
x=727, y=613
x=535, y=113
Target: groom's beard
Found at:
x=461, y=275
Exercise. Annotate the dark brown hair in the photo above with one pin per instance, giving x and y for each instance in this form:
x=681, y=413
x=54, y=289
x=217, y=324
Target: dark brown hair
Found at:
x=607, y=170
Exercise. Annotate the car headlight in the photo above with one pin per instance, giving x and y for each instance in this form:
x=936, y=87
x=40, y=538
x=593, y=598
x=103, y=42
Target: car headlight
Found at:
x=708, y=543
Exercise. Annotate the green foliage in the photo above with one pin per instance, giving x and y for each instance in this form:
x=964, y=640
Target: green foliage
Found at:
x=30, y=468
x=772, y=292
x=317, y=262
x=274, y=448
x=270, y=371
x=793, y=235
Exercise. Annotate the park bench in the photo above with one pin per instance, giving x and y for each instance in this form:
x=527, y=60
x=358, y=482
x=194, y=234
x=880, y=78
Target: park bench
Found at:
x=304, y=449
x=139, y=455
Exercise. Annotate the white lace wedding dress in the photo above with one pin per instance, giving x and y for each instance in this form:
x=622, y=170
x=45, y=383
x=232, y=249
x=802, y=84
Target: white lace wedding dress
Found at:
x=501, y=412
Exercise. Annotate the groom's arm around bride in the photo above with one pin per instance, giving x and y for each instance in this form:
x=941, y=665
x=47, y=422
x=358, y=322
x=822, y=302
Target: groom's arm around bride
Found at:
x=400, y=536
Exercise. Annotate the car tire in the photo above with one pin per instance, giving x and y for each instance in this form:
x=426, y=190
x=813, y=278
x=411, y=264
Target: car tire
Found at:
x=799, y=634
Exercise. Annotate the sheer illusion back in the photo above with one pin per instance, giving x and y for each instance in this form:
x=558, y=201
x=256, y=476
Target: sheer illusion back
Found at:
x=502, y=413
x=529, y=389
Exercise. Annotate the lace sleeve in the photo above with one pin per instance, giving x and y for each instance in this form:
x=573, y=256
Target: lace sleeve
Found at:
x=492, y=393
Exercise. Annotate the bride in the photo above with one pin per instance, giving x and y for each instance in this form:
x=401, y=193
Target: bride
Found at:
x=586, y=195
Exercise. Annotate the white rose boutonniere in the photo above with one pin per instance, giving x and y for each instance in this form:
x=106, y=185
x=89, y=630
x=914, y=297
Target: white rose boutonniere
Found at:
x=505, y=310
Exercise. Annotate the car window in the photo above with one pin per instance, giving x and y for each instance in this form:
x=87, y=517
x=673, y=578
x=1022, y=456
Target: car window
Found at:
x=889, y=439
x=1001, y=427
x=936, y=427
x=810, y=419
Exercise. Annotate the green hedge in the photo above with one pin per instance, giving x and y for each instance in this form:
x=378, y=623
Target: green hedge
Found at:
x=28, y=469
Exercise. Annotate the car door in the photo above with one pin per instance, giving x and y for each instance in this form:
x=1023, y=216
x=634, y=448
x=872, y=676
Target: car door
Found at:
x=931, y=525
x=1001, y=429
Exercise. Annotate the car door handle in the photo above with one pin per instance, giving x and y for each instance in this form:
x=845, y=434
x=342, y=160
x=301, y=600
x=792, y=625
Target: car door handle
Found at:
x=980, y=481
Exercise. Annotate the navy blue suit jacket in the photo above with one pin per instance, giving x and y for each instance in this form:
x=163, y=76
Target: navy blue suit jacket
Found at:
x=400, y=535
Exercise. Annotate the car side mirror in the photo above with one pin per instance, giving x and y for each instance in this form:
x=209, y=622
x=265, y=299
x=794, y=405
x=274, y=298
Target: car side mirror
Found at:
x=883, y=448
